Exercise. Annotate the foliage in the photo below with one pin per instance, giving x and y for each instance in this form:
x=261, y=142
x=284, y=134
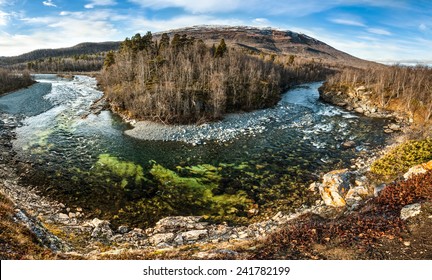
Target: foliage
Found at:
x=401, y=158
x=401, y=88
x=10, y=81
x=184, y=81
x=416, y=188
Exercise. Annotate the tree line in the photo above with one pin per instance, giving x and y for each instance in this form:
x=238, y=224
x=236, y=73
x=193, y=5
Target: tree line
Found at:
x=14, y=81
x=400, y=88
x=182, y=80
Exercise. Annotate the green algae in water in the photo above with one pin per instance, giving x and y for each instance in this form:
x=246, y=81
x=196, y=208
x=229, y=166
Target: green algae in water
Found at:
x=124, y=169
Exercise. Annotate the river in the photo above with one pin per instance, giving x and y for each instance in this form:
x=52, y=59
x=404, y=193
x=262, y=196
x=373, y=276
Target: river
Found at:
x=242, y=168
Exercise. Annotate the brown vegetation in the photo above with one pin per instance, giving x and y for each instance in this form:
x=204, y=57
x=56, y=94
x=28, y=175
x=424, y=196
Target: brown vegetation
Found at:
x=399, y=88
x=362, y=232
x=16, y=241
x=185, y=81
x=10, y=82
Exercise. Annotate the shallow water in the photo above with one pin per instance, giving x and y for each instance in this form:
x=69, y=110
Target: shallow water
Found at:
x=279, y=150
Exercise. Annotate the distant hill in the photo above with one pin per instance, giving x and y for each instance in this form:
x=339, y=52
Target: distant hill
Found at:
x=80, y=49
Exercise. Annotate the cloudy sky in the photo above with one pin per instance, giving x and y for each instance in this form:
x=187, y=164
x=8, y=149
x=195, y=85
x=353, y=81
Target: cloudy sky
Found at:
x=380, y=30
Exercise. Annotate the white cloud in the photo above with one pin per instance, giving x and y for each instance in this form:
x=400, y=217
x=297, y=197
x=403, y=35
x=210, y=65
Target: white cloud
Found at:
x=4, y=18
x=379, y=31
x=261, y=22
x=203, y=6
x=422, y=27
x=70, y=28
x=345, y=21
x=49, y=3
x=94, y=3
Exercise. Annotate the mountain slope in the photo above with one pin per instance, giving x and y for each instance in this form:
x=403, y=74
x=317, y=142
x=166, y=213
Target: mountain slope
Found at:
x=80, y=49
x=271, y=40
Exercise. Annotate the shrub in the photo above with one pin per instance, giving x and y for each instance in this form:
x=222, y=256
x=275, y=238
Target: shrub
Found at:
x=401, y=158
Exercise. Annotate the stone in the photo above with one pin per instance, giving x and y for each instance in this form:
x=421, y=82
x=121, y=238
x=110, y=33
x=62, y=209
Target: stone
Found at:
x=410, y=211
x=123, y=229
x=359, y=110
x=178, y=240
x=179, y=224
x=394, y=127
x=102, y=230
x=348, y=144
x=418, y=169
x=378, y=189
x=355, y=195
x=161, y=238
x=334, y=184
x=388, y=131
x=63, y=216
x=72, y=215
x=194, y=235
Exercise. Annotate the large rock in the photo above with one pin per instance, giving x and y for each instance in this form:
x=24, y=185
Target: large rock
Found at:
x=334, y=184
x=410, y=211
x=179, y=224
x=194, y=235
x=355, y=195
x=418, y=169
x=101, y=229
x=161, y=238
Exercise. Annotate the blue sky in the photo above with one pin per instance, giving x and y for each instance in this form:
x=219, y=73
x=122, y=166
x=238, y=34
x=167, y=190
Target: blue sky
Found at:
x=380, y=30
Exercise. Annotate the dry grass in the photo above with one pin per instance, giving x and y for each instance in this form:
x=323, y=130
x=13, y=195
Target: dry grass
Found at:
x=17, y=242
x=11, y=82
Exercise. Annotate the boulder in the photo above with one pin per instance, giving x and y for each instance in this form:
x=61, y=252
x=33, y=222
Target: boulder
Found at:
x=161, y=238
x=355, y=195
x=418, y=169
x=348, y=144
x=123, y=229
x=359, y=110
x=194, y=235
x=411, y=210
x=63, y=216
x=334, y=184
x=394, y=127
x=101, y=230
x=179, y=224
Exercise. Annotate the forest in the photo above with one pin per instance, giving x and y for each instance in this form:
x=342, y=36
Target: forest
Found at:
x=181, y=80
x=399, y=88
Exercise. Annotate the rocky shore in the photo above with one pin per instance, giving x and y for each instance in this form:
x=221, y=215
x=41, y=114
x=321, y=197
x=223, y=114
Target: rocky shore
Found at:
x=358, y=100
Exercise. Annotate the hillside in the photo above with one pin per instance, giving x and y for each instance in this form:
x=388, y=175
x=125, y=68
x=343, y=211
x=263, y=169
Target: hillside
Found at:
x=80, y=49
x=269, y=40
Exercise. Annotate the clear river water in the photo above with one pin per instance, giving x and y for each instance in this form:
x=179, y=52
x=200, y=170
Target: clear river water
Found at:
x=243, y=167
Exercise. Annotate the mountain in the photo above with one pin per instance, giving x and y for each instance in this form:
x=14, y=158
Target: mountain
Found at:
x=270, y=40
x=253, y=39
x=80, y=49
